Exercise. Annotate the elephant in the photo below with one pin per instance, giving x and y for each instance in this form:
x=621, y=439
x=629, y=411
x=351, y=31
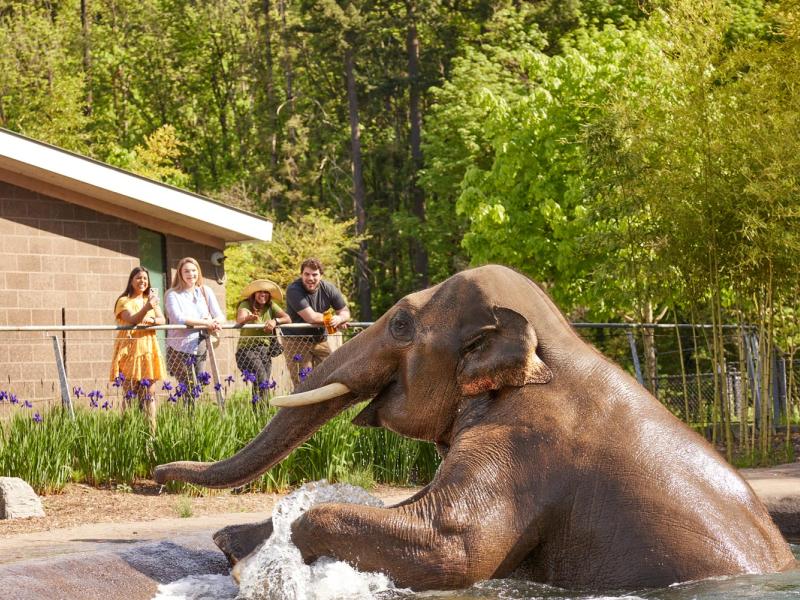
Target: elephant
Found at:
x=557, y=466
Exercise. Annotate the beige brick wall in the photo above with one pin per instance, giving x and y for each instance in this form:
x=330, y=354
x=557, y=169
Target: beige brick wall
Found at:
x=62, y=260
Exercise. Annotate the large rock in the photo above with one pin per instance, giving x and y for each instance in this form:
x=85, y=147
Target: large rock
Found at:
x=18, y=500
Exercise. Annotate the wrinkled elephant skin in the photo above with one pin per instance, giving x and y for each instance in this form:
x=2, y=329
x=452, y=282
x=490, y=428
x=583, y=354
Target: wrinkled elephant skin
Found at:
x=558, y=466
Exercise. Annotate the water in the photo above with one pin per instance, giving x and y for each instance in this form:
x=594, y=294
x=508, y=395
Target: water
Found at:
x=277, y=572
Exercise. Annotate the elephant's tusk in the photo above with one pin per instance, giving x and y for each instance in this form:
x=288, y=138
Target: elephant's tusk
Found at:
x=326, y=392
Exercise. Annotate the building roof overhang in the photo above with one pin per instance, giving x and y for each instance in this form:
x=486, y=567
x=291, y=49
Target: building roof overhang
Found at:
x=54, y=172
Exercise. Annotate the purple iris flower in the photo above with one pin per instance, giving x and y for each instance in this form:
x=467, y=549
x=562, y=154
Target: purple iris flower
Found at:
x=229, y=379
x=27, y=404
x=191, y=361
x=255, y=399
x=248, y=377
x=3, y=395
x=93, y=403
x=297, y=357
x=181, y=390
x=264, y=385
x=106, y=405
x=217, y=387
x=118, y=380
x=78, y=392
x=172, y=398
x=167, y=387
x=304, y=372
x=13, y=399
x=204, y=377
x=273, y=384
x=145, y=382
x=129, y=395
x=37, y=418
x=196, y=391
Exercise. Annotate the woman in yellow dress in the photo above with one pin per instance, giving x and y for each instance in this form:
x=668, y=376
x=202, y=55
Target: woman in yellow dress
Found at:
x=137, y=363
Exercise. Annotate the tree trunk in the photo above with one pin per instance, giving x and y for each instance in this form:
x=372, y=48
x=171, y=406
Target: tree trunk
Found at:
x=269, y=86
x=87, y=53
x=649, y=344
x=270, y=105
x=364, y=291
x=419, y=253
x=287, y=68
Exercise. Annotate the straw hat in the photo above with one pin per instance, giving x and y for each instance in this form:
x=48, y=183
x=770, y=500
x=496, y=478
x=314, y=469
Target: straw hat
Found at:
x=263, y=285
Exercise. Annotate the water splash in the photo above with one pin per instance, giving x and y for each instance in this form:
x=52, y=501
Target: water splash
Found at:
x=277, y=570
x=198, y=587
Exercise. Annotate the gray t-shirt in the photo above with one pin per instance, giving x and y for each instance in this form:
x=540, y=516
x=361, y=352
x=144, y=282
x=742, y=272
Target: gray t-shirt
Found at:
x=298, y=298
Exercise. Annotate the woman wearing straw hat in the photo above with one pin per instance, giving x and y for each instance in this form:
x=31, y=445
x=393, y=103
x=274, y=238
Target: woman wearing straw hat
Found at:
x=255, y=351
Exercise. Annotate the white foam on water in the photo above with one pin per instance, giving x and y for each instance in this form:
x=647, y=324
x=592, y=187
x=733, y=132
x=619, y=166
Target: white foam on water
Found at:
x=277, y=571
x=198, y=587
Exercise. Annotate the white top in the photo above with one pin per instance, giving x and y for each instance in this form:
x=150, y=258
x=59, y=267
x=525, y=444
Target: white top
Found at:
x=183, y=305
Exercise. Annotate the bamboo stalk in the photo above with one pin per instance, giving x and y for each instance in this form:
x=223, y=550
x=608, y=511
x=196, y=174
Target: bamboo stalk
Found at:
x=744, y=445
x=687, y=417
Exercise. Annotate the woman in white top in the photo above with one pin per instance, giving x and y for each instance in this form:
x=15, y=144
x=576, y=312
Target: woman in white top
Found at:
x=189, y=302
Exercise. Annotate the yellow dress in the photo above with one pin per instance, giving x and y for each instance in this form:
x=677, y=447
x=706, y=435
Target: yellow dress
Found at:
x=136, y=352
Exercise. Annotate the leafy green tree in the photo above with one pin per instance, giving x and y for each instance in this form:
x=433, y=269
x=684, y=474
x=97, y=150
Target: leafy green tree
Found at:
x=41, y=83
x=518, y=155
x=157, y=159
x=312, y=234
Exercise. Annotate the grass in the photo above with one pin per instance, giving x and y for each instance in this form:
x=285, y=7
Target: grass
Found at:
x=108, y=448
x=184, y=507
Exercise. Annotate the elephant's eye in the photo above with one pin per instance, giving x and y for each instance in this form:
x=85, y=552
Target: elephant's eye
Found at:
x=477, y=340
x=402, y=327
x=472, y=344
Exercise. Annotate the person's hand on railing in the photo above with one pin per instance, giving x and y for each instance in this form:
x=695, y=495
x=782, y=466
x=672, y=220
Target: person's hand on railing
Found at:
x=338, y=322
x=269, y=326
x=210, y=324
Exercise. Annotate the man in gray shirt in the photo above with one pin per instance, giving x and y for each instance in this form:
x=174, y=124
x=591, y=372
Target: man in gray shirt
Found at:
x=307, y=299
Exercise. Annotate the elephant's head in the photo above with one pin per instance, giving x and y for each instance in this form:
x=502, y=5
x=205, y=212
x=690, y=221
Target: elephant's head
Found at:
x=477, y=333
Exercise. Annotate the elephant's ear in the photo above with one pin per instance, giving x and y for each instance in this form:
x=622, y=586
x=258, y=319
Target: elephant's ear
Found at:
x=499, y=355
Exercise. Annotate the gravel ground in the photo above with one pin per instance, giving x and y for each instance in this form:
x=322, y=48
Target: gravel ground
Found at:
x=82, y=504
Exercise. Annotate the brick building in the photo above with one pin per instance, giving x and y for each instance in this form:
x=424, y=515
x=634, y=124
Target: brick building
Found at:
x=71, y=230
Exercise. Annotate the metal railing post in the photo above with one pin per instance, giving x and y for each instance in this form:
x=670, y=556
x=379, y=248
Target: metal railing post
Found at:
x=753, y=372
x=212, y=357
x=778, y=386
x=66, y=398
x=636, y=366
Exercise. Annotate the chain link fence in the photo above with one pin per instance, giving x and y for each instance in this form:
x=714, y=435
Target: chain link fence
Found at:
x=698, y=380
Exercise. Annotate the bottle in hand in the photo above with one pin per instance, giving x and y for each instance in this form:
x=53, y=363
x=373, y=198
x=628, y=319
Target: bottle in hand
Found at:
x=326, y=319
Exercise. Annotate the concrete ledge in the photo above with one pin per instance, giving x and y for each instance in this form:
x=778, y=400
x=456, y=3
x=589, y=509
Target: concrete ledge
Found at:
x=779, y=489
x=132, y=571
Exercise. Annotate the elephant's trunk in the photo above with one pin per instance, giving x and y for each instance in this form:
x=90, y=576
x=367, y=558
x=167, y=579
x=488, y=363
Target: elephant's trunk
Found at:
x=289, y=428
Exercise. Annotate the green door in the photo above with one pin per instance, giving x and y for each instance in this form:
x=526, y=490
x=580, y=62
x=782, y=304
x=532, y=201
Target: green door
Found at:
x=152, y=256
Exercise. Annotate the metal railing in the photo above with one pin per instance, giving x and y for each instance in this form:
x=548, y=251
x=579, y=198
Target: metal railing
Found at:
x=39, y=364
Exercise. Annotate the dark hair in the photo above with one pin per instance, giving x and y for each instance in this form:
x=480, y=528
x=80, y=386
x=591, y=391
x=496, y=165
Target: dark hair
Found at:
x=251, y=300
x=129, y=289
x=314, y=263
